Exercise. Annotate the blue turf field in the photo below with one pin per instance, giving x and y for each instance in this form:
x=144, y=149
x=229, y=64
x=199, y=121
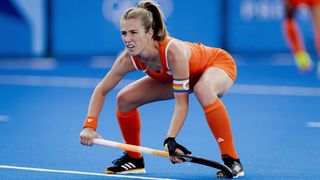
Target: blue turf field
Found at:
x=273, y=108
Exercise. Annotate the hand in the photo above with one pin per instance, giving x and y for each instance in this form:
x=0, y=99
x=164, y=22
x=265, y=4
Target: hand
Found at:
x=87, y=135
x=174, y=148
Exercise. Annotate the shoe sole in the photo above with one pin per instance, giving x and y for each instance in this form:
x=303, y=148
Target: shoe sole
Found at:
x=133, y=171
x=240, y=174
x=221, y=175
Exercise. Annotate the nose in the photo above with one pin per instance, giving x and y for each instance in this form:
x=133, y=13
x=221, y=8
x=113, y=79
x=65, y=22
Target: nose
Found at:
x=126, y=39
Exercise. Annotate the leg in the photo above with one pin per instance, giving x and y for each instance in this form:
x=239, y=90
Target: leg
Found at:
x=294, y=39
x=214, y=83
x=315, y=11
x=291, y=30
x=143, y=91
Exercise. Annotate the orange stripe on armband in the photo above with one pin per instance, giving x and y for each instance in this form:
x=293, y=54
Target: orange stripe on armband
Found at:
x=180, y=86
x=91, y=121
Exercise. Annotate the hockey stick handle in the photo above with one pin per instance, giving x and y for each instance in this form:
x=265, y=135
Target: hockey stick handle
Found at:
x=129, y=147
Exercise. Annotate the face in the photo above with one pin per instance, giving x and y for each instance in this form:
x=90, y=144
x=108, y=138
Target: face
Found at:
x=134, y=36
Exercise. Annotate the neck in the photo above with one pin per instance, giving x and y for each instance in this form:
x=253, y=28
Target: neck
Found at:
x=150, y=51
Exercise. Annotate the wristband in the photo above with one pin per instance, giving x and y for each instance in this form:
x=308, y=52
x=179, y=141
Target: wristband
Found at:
x=91, y=121
x=181, y=86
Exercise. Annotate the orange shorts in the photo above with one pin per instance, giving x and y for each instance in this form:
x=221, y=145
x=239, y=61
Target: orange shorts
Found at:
x=214, y=57
x=224, y=61
x=296, y=3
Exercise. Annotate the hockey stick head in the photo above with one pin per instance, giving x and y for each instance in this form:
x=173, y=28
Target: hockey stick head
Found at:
x=206, y=162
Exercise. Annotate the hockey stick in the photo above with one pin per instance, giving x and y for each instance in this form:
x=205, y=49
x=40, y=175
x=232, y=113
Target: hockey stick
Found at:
x=145, y=150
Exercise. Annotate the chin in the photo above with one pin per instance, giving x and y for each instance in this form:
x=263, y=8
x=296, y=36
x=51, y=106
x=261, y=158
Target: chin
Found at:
x=133, y=53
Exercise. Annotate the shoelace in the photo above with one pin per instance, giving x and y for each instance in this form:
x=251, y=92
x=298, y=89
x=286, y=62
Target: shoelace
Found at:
x=120, y=160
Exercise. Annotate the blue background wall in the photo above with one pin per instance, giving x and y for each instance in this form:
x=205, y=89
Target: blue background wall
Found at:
x=23, y=27
x=92, y=27
x=256, y=26
x=82, y=27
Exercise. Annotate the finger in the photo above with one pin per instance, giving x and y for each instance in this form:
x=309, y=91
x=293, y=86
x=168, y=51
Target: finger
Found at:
x=90, y=142
x=172, y=161
x=82, y=141
x=175, y=159
x=85, y=141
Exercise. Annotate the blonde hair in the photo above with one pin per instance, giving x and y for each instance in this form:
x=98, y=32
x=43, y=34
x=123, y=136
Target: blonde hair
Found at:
x=151, y=16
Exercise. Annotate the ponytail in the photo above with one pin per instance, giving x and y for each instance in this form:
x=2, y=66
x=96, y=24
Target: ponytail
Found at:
x=151, y=16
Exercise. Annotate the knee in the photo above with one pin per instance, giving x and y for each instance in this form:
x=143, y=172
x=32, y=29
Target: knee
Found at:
x=124, y=100
x=203, y=90
x=197, y=89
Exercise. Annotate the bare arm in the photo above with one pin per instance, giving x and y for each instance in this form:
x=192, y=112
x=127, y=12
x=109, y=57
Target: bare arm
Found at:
x=178, y=57
x=121, y=67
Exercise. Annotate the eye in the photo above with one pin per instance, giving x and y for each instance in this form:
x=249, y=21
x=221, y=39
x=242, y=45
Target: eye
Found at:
x=133, y=32
x=123, y=33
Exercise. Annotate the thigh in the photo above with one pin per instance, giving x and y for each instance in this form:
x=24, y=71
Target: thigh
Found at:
x=219, y=81
x=213, y=83
x=143, y=91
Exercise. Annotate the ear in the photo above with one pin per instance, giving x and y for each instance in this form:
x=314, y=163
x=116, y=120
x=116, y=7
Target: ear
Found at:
x=150, y=33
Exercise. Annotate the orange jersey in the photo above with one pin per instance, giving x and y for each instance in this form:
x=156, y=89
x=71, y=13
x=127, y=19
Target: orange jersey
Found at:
x=201, y=58
x=299, y=2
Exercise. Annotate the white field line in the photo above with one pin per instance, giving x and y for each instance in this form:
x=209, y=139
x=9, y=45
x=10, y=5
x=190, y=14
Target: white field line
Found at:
x=274, y=90
x=83, y=82
x=313, y=124
x=4, y=118
x=77, y=172
x=29, y=63
x=55, y=81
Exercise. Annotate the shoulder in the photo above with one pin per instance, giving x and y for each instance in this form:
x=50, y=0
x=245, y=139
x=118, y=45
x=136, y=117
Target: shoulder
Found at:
x=124, y=56
x=124, y=62
x=177, y=49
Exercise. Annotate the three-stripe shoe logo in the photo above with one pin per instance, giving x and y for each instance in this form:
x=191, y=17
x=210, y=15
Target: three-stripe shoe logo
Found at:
x=128, y=166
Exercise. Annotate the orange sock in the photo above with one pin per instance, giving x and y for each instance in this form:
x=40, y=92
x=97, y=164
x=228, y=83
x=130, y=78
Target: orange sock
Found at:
x=130, y=128
x=219, y=123
x=293, y=36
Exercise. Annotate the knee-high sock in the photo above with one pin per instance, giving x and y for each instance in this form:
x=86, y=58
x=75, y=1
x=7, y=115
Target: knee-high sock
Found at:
x=130, y=128
x=219, y=123
x=293, y=35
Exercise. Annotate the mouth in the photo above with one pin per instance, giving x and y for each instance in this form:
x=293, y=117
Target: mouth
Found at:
x=130, y=46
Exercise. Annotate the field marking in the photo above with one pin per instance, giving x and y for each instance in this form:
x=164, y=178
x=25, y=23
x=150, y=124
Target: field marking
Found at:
x=4, y=118
x=28, y=63
x=55, y=81
x=77, y=172
x=274, y=90
x=84, y=82
x=313, y=124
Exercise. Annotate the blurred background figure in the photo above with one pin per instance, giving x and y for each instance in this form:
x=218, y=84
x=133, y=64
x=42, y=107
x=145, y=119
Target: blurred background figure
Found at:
x=294, y=37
